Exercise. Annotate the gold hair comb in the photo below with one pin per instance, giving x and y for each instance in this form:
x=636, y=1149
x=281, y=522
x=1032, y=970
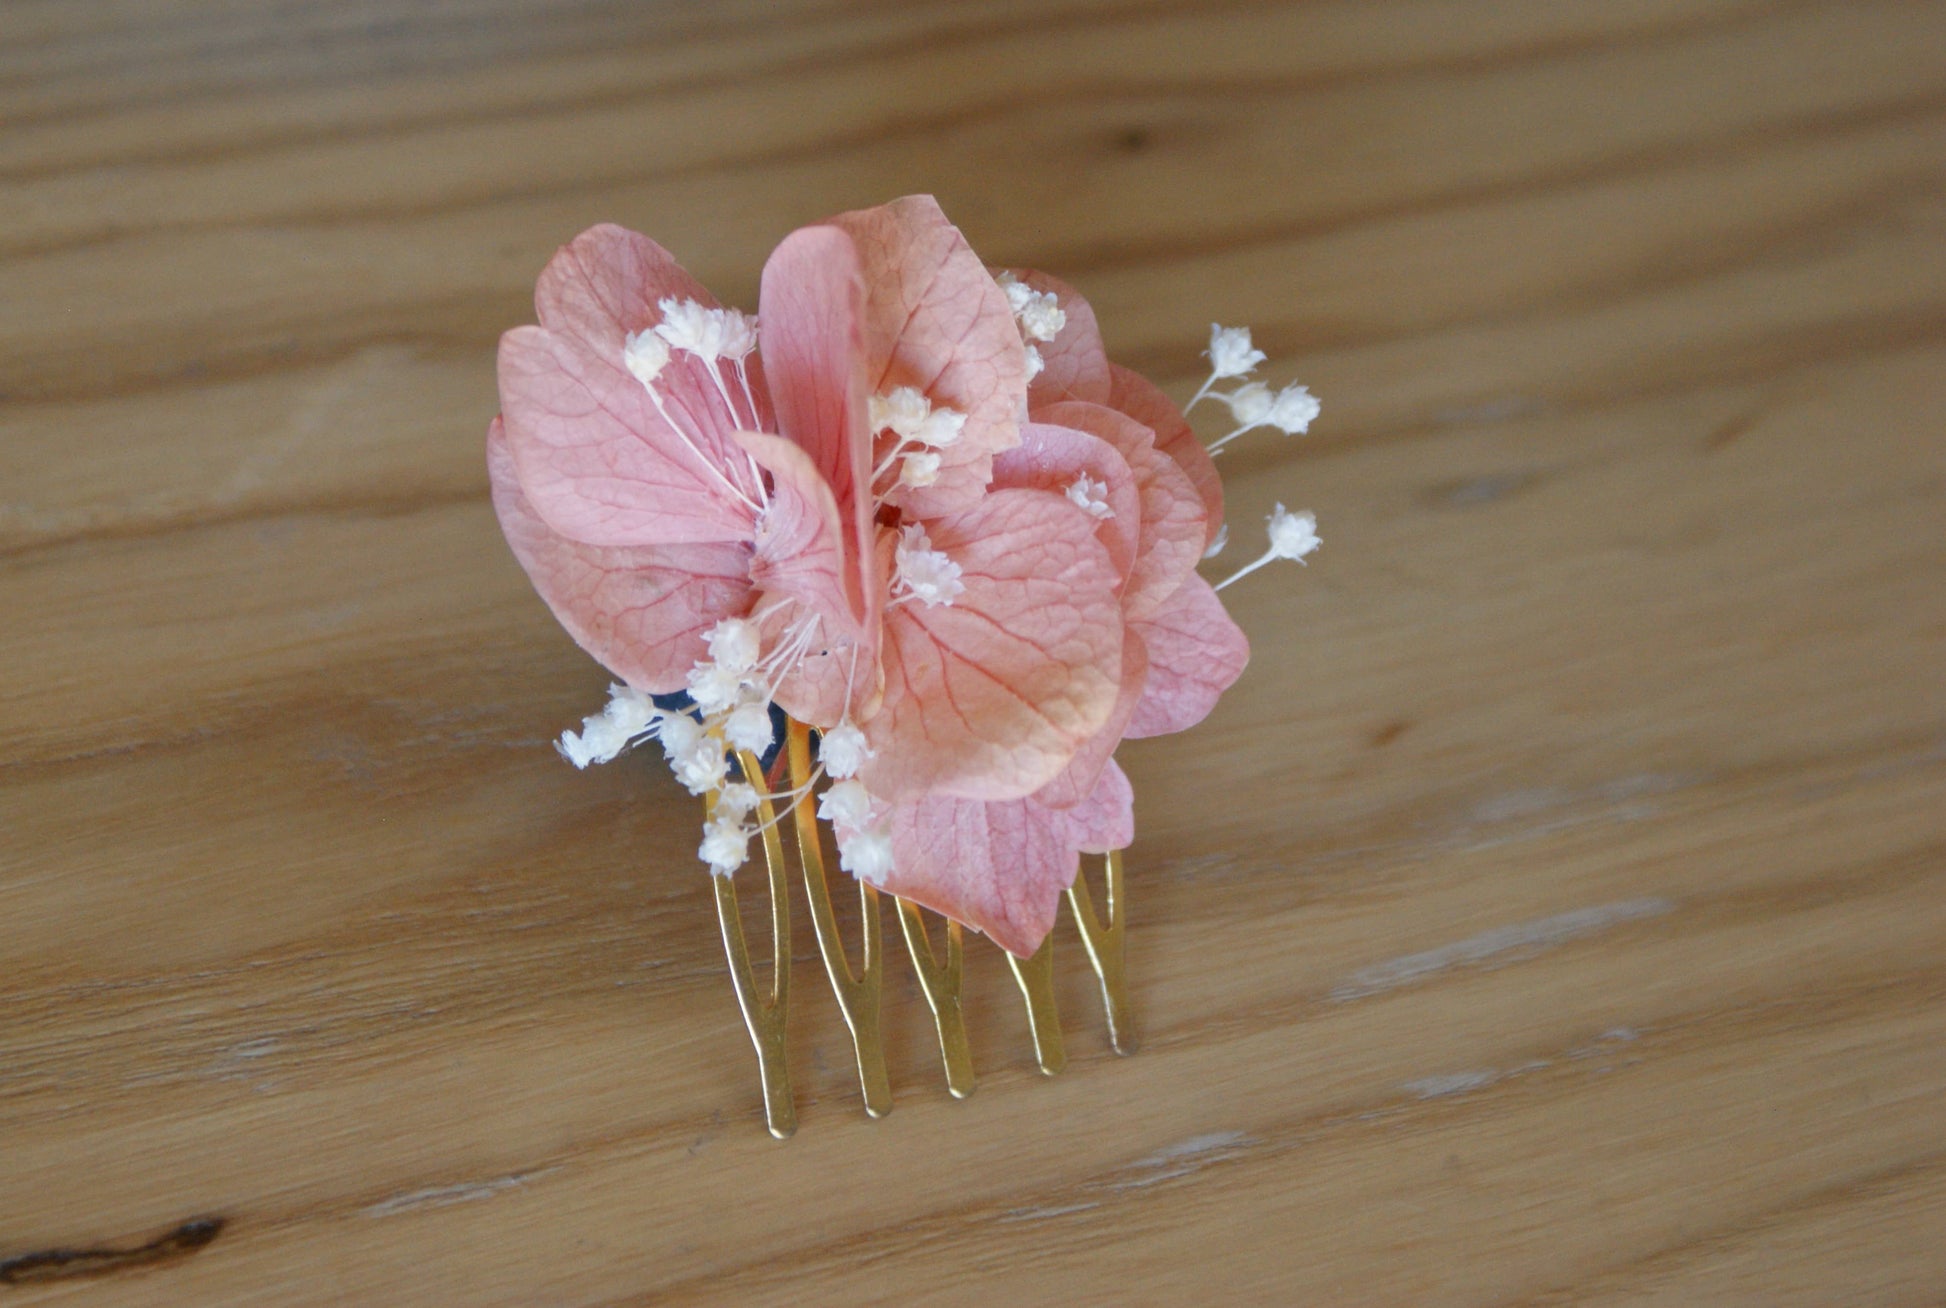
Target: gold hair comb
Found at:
x=860, y=992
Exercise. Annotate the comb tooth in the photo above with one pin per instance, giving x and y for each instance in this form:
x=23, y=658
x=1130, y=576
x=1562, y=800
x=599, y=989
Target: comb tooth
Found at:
x=1036, y=978
x=941, y=986
x=764, y=1017
x=1105, y=948
x=858, y=994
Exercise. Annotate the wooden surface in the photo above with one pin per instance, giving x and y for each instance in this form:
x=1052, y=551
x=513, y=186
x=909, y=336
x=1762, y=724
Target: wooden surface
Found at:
x=1555, y=913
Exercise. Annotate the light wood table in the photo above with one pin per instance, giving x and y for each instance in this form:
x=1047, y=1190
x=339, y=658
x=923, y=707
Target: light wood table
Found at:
x=1556, y=912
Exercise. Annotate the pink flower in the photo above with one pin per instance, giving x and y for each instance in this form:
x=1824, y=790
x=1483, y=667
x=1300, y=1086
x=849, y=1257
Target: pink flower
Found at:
x=859, y=508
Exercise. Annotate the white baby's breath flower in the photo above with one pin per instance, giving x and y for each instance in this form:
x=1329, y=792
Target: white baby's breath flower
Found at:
x=749, y=727
x=843, y=751
x=867, y=855
x=846, y=804
x=1230, y=352
x=709, y=334
x=924, y=572
x=1294, y=410
x=1250, y=404
x=737, y=799
x=735, y=644
x=1293, y=535
x=702, y=768
x=919, y=469
x=1092, y=495
x=726, y=844
x=714, y=687
x=646, y=354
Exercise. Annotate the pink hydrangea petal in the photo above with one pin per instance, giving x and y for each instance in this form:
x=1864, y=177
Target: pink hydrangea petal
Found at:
x=1075, y=363
x=936, y=320
x=1001, y=868
x=598, y=462
x=813, y=345
x=1050, y=458
x=642, y=611
x=800, y=544
x=605, y=284
x=990, y=696
x=1142, y=400
x=1078, y=780
x=1106, y=819
x=1195, y=654
x=1173, y=534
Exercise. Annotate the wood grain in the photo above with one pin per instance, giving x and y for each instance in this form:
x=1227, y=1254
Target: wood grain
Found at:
x=1556, y=913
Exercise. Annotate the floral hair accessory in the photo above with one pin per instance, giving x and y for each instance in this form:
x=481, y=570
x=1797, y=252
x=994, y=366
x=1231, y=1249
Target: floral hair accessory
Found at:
x=904, y=555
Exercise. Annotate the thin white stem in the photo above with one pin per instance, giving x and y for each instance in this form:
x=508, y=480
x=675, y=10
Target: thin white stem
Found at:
x=891, y=458
x=736, y=420
x=1270, y=556
x=1216, y=445
x=684, y=437
x=1200, y=395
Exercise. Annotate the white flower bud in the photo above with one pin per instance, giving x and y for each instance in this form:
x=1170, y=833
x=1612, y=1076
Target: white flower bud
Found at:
x=749, y=727
x=702, y=767
x=1294, y=410
x=1251, y=403
x=1230, y=352
x=901, y=410
x=737, y=800
x=709, y=334
x=867, y=855
x=846, y=804
x=923, y=571
x=726, y=844
x=646, y=354
x=714, y=687
x=735, y=644
x=843, y=751
x=918, y=469
x=1293, y=535
x=1092, y=495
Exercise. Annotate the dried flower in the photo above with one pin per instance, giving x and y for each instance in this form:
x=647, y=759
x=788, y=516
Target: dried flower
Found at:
x=937, y=525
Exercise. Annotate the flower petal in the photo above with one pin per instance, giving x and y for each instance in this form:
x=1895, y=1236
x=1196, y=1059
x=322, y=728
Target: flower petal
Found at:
x=1140, y=399
x=1195, y=653
x=1001, y=868
x=990, y=696
x=1075, y=363
x=1050, y=458
x=1078, y=780
x=1173, y=535
x=600, y=464
x=812, y=312
x=644, y=612
x=936, y=320
x=605, y=283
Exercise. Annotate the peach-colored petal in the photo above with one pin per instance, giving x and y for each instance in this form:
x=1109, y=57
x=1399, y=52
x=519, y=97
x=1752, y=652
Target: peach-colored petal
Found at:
x=1195, y=654
x=1002, y=868
x=990, y=696
x=1078, y=780
x=599, y=463
x=642, y=611
x=1173, y=536
x=1075, y=363
x=936, y=320
x=1139, y=398
x=1050, y=458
